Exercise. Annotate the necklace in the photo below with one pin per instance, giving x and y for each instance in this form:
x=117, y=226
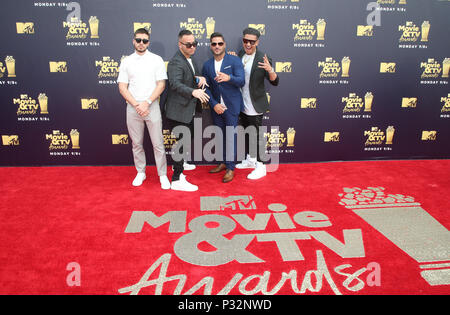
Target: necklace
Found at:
x=246, y=59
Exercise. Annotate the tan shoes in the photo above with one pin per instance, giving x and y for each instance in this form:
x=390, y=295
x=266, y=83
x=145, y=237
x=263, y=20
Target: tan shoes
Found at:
x=218, y=168
x=228, y=177
x=229, y=174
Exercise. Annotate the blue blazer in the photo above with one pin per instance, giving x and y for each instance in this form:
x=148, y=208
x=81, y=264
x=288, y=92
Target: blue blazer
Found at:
x=231, y=90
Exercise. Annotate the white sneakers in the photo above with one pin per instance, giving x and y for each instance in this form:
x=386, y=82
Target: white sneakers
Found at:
x=165, y=184
x=259, y=171
x=183, y=185
x=249, y=162
x=259, y=168
x=139, y=179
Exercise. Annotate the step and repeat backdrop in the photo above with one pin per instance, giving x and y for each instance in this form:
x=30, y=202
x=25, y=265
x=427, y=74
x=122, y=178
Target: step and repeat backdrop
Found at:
x=359, y=80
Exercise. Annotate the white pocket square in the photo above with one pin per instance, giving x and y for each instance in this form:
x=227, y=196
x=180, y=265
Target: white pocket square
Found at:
x=226, y=67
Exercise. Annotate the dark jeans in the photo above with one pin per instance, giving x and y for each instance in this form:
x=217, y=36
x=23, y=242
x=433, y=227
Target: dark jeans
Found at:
x=178, y=165
x=255, y=121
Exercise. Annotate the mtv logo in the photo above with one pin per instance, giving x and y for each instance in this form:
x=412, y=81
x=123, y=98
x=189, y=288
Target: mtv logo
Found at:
x=25, y=27
x=364, y=30
x=89, y=103
x=119, y=139
x=387, y=67
x=146, y=25
x=10, y=140
x=260, y=27
x=409, y=102
x=58, y=66
x=331, y=137
x=429, y=135
x=308, y=103
x=214, y=203
x=283, y=67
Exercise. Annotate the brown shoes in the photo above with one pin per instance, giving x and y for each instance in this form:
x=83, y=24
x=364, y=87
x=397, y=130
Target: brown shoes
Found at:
x=218, y=168
x=228, y=177
x=229, y=174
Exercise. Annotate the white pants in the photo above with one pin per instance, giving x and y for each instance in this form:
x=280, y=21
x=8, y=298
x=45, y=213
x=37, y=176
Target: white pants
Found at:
x=136, y=128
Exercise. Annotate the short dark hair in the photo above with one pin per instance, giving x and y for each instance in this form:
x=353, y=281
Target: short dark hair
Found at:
x=183, y=33
x=142, y=31
x=216, y=34
x=251, y=31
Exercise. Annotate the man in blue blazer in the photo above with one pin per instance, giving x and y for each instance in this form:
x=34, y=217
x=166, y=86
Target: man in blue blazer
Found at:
x=225, y=76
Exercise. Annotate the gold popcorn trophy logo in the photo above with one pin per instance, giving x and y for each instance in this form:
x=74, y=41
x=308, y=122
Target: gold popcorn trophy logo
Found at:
x=405, y=223
x=25, y=27
x=345, y=67
x=75, y=137
x=43, y=103
x=368, y=101
x=445, y=67
x=93, y=25
x=390, y=134
x=10, y=66
x=210, y=26
x=425, y=31
x=290, y=137
x=321, y=25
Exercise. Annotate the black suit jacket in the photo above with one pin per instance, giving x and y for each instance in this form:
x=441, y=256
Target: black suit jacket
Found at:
x=256, y=85
x=180, y=104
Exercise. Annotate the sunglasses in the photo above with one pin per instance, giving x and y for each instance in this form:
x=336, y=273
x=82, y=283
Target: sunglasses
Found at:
x=190, y=45
x=219, y=43
x=139, y=40
x=249, y=41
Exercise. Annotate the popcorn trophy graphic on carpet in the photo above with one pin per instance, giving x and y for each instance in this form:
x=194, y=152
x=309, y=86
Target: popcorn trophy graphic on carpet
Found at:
x=406, y=224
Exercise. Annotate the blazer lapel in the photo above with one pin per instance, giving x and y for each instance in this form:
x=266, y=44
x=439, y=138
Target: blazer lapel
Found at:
x=255, y=61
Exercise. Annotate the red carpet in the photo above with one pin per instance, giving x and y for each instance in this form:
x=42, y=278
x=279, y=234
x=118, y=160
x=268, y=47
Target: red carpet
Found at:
x=288, y=233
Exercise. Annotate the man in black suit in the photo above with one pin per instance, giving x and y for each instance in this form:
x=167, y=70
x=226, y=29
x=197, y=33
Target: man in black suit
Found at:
x=183, y=95
x=258, y=67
